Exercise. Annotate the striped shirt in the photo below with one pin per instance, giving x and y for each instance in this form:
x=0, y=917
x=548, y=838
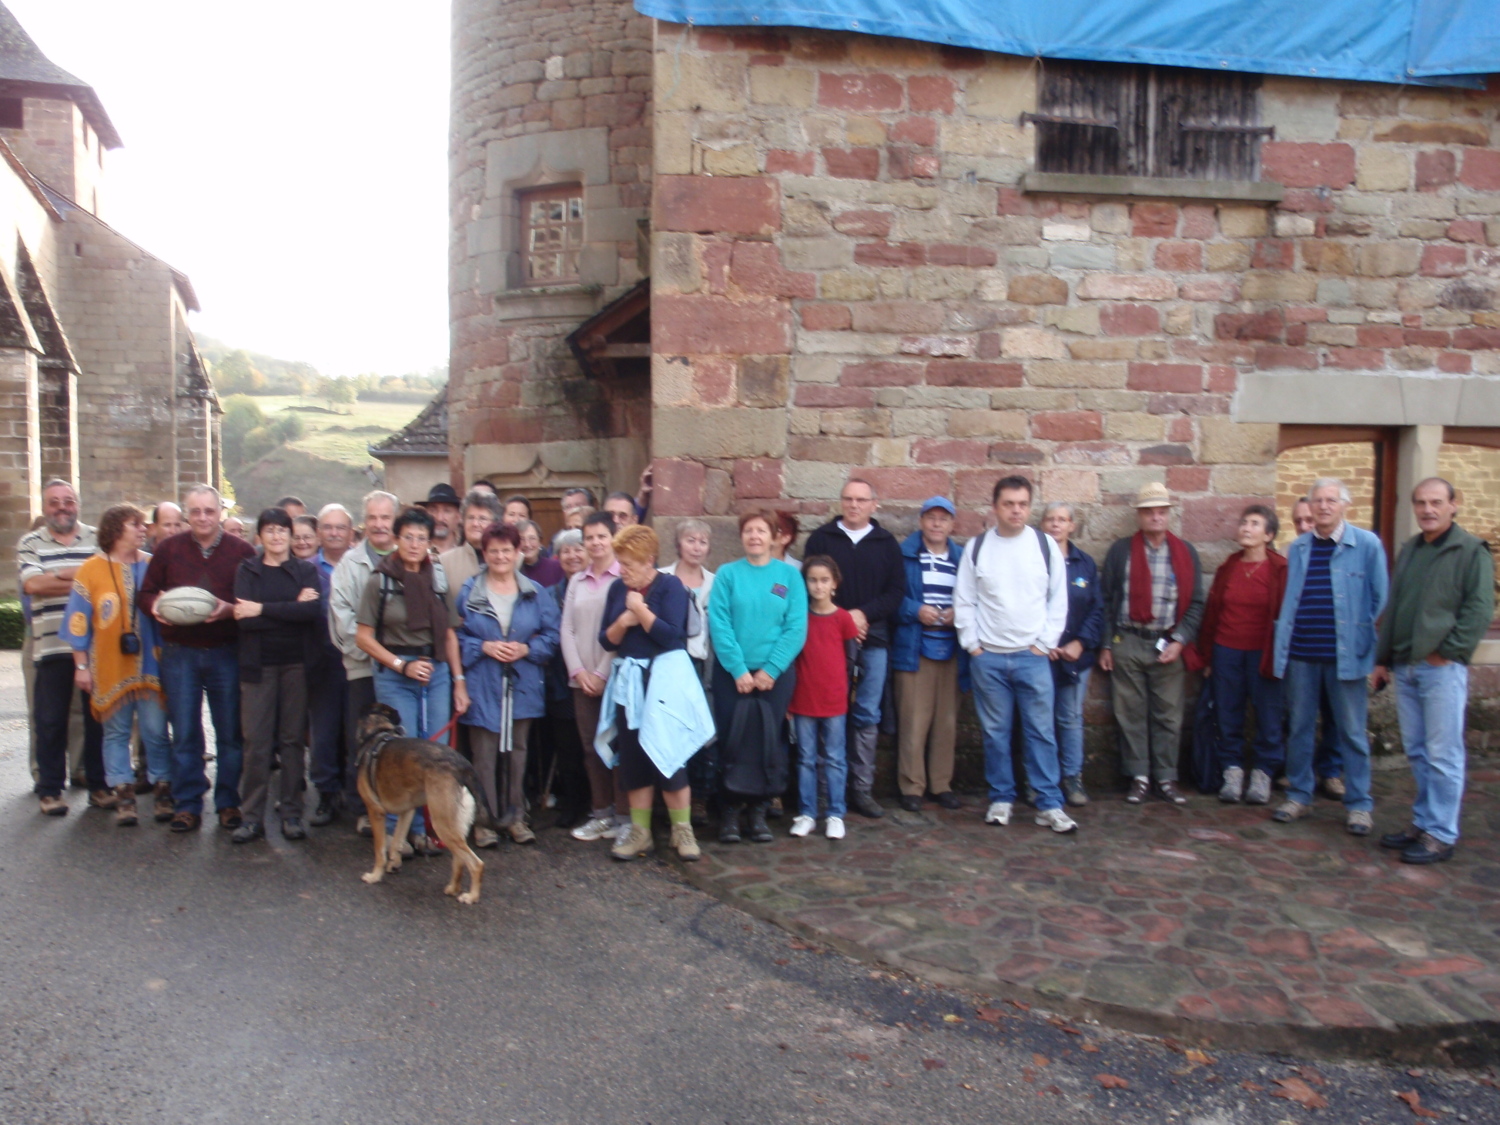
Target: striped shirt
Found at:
x=38, y=553
x=1163, y=590
x=939, y=573
x=1314, y=632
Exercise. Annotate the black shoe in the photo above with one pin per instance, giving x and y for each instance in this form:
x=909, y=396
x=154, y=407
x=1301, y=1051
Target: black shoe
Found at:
x=326, y=812
x=729, y=825
x=865, y=805
x=1400, y=841
x=1429, y=849
x=291, y=828
x=948, y=800
x=910, y=804
x=760, y=831
x=247, y=831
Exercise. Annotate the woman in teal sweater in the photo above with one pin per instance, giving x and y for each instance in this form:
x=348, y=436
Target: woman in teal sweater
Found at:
x=757, y=616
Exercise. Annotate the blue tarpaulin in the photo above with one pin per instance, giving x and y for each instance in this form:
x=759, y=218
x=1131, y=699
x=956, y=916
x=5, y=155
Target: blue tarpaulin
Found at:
x=1370, y=40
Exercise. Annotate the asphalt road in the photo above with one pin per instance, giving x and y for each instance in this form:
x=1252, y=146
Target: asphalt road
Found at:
x=152, y=978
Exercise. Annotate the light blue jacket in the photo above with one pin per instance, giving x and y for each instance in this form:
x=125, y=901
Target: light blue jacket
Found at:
x=668, y=708
x=1361, y=582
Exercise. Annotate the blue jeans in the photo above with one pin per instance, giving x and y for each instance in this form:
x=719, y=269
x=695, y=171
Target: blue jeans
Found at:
x=152, y=717
x=1349, y=704
x=187, y=675
x=1070, y=697
x=1238, y=685
x=1004, y=683
x=1430, y=703
x=820, y=745
x=871, y=687
x=424, y=708
x=1326, y=760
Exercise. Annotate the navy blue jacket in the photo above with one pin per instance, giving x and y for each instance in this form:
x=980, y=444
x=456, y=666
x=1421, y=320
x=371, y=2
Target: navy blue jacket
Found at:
x=533, y=621
x=906, y=642
x=1085, y=615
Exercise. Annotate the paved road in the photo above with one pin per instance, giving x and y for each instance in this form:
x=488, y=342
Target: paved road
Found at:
x=151, y=978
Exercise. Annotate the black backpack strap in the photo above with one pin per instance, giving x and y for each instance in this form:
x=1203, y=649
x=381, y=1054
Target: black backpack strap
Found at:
x=1042, y=541
x=974, y=547
x=385, y=592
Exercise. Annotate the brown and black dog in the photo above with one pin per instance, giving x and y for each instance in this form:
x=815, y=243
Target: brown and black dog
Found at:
x=399, y=775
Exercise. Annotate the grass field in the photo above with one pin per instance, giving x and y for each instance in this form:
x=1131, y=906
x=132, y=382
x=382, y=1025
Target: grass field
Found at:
x=345, y=435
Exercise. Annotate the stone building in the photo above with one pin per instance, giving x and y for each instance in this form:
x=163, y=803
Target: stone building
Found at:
x=938, y=265
x=102, y=382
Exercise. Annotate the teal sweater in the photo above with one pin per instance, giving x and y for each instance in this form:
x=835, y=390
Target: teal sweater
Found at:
x=757, y=617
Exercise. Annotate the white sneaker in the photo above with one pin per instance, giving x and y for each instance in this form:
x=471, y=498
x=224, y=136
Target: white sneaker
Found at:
x=595, y=828
x=999, y=813
x=803, y=825
x=834, y=828
x=1057, y=820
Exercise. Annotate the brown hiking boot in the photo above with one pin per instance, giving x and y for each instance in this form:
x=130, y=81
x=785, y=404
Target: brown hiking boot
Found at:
x=162, y=807
x=521, y=832
x=230, y=818
x=53, y=806
x=125, y=806
x=102, y=799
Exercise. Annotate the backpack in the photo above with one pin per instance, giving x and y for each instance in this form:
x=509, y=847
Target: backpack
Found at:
x=1041, y=540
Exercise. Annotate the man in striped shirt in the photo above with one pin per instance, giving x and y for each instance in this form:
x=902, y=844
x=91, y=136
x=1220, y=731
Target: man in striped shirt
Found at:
x=1325, y=646
x=49, y=557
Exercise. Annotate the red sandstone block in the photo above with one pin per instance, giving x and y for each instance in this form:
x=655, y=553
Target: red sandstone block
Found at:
x=757, y=479
x=1455, y=363
x=825, y=318
x=1187, y=478
x=833, y=396
x=1014, y=453
x=1207, y=518
x=1198, y=221
x=1267, y=325
x=890, y=254
x=867, y=224
x=1378, y=336
x=1073, y=425
x=931, y=94
x=716, y=255
x=798, y=163
x=677, y=487
x=1354, y=359
x=949, y=254
x=989, y=345
x=1179, y=257
x=1481, y=169
x=1153, y=220
x=728, y=204
x=852, y=163
x=968, y=373
x=1273, y=254
x=881, y=373
x=696, y=325
x=1476, y=338
x=1444, y=261
x=756, y=268
x=1466, y=230
x=1170, y=454
x=908, y=484
x=1435, y=169
x=898, y=316
x=1210, y=289
x=767, y=60
x=1277, y=355
x=1308, y=165
x=1425, y=337
x=915, y=131
x=1302, y=200
x=1222, y=379
x=1296, y=334
x=713, y=39
x=1181, y=378
x=1307, y=314
x=940, y=451
x=1180, y=429
x=862, y=93
x=1129, y=320
x=906, y=163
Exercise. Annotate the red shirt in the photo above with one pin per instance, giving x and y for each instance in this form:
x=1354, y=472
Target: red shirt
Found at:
x=822, y=690
x=1246, y=615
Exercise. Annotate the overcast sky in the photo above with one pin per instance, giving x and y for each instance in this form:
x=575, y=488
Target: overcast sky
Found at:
x=290, y=156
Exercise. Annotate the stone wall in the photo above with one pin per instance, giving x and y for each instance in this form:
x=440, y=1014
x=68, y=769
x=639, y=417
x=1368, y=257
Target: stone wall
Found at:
x=846, y=273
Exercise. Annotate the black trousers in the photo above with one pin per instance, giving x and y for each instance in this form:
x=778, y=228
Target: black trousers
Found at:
x=332, y=766
x=358, y=695
x=51, y=700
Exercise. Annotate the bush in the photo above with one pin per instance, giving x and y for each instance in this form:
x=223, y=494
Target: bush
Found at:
x=12, y=624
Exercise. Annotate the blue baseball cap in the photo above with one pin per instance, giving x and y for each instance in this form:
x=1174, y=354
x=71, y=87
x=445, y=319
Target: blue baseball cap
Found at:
x=938, y=502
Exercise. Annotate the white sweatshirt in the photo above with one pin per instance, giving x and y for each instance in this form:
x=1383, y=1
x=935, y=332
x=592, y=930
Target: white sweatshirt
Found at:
x=1009, y=603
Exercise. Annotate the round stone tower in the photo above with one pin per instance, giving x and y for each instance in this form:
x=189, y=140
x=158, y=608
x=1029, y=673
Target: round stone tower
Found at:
x=550, y=180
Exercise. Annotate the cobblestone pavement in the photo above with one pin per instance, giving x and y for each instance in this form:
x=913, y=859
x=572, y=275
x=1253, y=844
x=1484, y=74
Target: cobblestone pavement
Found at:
x=1207, y=920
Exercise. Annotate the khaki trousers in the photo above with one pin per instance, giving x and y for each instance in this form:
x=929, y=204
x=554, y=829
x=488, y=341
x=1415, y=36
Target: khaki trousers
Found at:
x=926, y=726
x=1148, y=707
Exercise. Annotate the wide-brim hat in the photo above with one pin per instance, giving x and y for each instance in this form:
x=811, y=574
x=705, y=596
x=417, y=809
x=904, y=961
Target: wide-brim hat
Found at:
x=1153, y=495
x=441, y=494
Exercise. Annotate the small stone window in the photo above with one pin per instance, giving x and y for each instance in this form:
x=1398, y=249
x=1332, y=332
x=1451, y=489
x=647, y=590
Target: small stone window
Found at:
x=1116, y=119
x=551, y=234
x=12, y=113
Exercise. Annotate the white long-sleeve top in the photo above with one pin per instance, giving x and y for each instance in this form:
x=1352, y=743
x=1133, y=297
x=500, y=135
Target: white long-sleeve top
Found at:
x=1008, y=602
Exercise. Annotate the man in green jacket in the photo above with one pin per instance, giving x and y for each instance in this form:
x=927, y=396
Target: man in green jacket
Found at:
x=1442, y=600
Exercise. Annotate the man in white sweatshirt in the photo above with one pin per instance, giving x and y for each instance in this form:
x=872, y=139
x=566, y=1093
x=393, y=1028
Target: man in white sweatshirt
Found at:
x=1010, y=605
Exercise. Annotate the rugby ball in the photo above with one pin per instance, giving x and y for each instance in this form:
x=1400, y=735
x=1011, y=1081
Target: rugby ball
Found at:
x=186, y=605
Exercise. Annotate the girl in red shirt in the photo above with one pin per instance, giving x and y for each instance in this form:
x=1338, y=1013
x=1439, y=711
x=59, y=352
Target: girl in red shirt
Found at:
x=820, y=702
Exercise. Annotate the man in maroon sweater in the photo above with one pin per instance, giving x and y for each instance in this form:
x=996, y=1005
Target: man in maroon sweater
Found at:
x=199, y=660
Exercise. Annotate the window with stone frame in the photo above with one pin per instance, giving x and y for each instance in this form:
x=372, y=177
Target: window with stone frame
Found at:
x=1126, y=119
x=551, y=234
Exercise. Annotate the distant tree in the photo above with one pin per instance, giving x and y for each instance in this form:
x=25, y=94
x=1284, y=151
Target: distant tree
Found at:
x=242, y=416
x=337, y=392
x=235, y=374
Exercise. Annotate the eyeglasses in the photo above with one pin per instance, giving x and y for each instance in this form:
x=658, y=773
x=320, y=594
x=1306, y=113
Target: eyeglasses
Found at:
x=415, y=540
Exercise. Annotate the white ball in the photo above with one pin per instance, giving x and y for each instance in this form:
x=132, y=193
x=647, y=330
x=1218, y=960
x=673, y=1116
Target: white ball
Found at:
x=186, y=605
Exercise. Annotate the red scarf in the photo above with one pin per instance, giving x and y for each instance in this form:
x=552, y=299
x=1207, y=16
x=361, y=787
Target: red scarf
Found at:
x=1140, y=577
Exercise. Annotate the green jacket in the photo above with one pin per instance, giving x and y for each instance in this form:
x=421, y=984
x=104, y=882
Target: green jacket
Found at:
x=1445, y=597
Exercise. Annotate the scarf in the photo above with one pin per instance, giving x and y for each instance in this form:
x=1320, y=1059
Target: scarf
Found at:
x=110, y=590
x=1140, y=577
x=425, y=607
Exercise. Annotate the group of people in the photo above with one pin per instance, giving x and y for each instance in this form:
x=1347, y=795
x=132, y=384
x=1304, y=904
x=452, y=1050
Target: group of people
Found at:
x=591, y=674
